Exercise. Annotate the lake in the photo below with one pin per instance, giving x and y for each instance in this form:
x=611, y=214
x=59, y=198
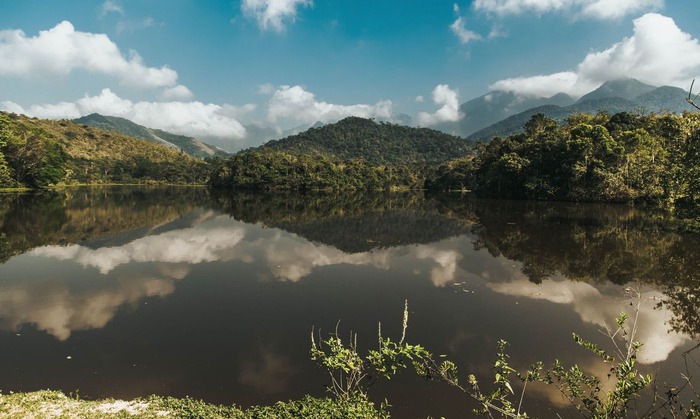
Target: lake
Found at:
x=125, y=292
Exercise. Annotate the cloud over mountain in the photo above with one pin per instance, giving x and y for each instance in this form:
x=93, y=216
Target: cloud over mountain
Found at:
x=194, y=118
x=449, y=112
x=658, y=53
x=294, y=103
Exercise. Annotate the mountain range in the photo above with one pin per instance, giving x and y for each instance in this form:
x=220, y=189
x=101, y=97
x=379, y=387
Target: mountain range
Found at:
x=187, y=145
x=497, y=113
x=503, y=113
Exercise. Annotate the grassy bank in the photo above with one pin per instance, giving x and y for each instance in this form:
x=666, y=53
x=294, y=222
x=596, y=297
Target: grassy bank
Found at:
x=54, y=404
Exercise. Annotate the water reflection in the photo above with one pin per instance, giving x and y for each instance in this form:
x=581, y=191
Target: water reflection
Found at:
x=600, y=305
x=52, y=306
x=245, y=276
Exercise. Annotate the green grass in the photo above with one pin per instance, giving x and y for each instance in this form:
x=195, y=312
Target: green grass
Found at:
x=55, y=404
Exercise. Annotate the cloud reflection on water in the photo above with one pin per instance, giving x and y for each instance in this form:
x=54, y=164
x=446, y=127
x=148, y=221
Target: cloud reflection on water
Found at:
x=601, y=307
x=58, y=309
x=54, y=307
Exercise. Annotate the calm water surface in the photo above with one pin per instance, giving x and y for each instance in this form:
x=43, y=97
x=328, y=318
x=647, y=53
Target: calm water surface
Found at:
x=126, y=292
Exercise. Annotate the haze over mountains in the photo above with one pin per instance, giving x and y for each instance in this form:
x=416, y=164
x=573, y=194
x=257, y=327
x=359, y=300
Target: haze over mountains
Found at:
x=504, y=113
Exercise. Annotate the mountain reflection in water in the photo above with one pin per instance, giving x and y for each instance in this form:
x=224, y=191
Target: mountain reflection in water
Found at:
x=183, y=292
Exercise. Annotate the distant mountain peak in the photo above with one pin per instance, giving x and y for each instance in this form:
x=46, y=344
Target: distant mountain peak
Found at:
x=188, y=145
x=626, y=88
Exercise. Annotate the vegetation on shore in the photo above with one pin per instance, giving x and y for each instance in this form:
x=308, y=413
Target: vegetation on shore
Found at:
x=633, y=158
x=351, y=374
x=651, y=159
x=38, y=153
x=48, y=404
x=279, y=170
x=617, y=396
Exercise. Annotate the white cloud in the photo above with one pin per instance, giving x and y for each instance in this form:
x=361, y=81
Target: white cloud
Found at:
x=62, y=50
x=658, y=53
x=293, y=103
x=596, y=9
x=459, y=29
x=111, y=7
x=178, y=92
x=9, y=106
x=464, y=35
x=420, y=99
x=195, y=119
x=545, y=85
x=449, y=112
x=273, y=14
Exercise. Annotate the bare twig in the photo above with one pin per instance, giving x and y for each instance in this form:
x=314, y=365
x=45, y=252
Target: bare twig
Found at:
x=690, y=99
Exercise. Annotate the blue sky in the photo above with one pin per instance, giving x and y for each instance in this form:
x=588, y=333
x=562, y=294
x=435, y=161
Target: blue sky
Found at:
x=210, y=68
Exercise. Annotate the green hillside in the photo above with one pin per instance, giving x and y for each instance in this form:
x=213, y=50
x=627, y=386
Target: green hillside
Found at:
x=625, y=157
x=375, y=143
x=189, y=145
x=39, y=153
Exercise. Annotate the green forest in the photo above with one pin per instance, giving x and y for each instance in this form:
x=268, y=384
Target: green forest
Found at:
x=631, y=158
x=38, y=153
x=377, y=143
x=269, y=169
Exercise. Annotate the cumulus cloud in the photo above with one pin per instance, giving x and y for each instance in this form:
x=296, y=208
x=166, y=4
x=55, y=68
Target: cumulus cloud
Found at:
x=62, y=50
x=449, y=112
x=195, y=119
x=178, y=92
x=546, y=85
x=293, y=103
x=596, y=9
x=658, y=53
x=273, y=14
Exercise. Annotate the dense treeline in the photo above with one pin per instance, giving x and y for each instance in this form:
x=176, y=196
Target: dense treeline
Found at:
x=39, y=153
x=352, y=154
x=603, y=158
x=269, y=169
x=377, y=143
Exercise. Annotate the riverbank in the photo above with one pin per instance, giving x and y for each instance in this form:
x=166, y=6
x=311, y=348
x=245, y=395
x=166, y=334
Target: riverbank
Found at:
x=55, y=404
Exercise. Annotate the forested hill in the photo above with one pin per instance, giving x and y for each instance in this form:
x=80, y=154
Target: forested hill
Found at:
x=38, y=153
x=189, y=145
x=375, y=143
